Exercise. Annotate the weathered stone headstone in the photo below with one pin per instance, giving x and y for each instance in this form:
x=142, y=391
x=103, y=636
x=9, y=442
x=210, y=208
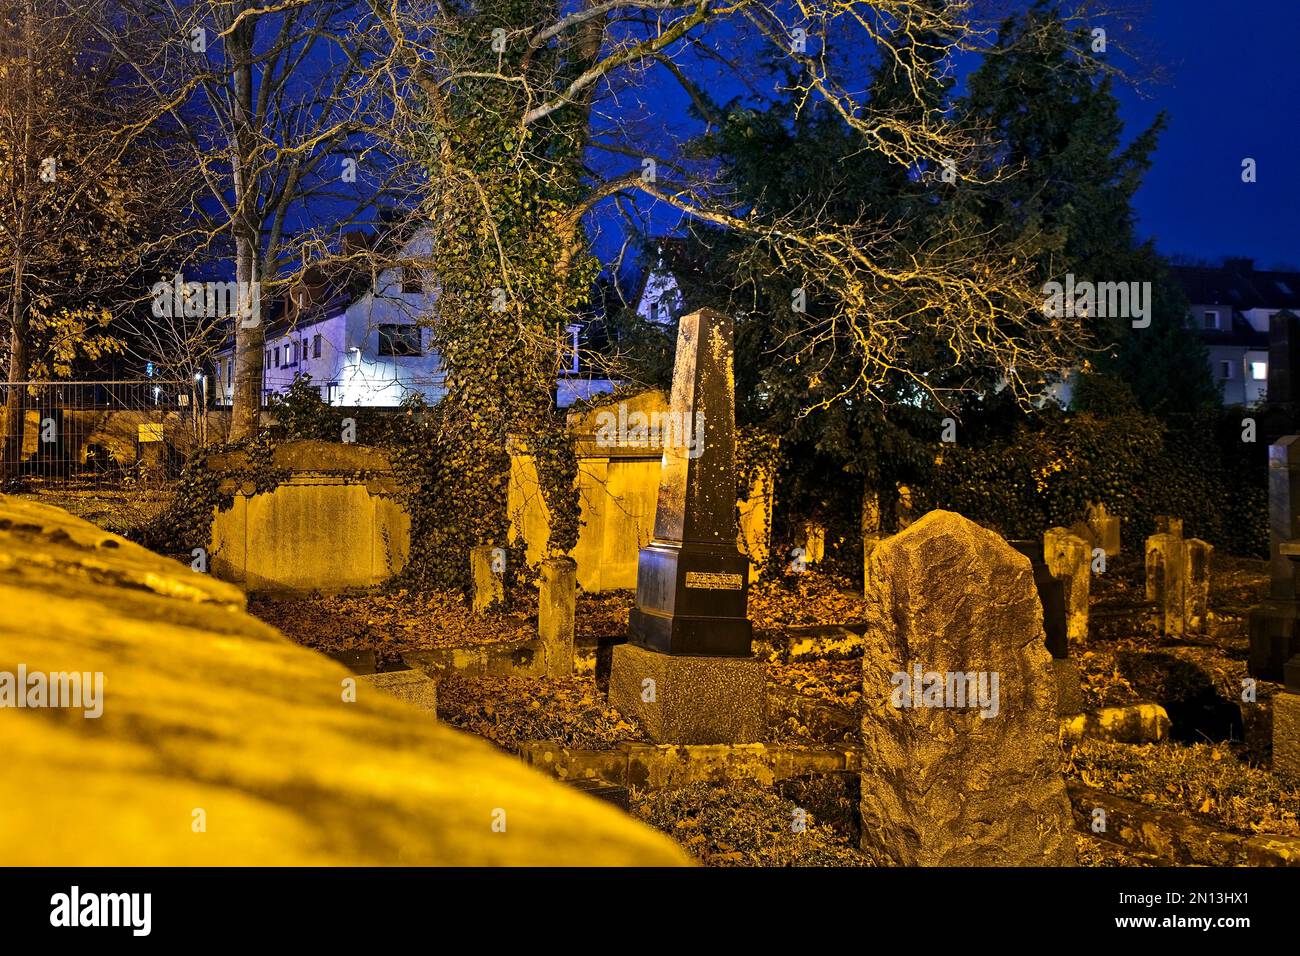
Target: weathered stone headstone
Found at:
x=1196, y=592
x=1167, y=524
x=814, y=542
x=1069, y=558
x=1166, y=581
x=487, y=578
x=1051, y=595
x=903, y=507
x=1274, y=638
x=871, y=533
x=1105, y=529
x=556, y=610
x=967, y=772
x=687, y=673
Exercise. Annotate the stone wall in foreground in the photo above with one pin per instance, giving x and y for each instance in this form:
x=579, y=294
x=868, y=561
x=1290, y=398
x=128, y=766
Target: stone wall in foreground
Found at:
x=222, y=743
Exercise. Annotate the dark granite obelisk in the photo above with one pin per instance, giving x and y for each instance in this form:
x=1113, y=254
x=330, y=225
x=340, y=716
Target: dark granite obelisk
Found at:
x=1274, y=636
x=1278, y=414
x=692, y=581
x=687, y=674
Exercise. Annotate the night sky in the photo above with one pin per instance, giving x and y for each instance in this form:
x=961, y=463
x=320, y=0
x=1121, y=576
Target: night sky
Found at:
x=1232, y=90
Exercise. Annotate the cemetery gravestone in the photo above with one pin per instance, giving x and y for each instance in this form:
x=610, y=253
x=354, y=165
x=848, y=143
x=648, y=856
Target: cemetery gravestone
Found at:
x=556, y=612
x=1273, y=637
x=687, y=673
x=1166, y=581
x=945, y=784
x=1105, y=529
x=1051, y=595
x=1069, y=558
x=1196, y=592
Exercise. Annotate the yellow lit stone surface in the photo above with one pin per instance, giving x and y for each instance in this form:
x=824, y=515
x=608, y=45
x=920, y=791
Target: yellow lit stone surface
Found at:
x=206, y=708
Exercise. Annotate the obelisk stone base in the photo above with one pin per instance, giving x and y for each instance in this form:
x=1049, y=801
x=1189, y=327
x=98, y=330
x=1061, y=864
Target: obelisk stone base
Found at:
x=1286, y=736
x=1274, y=637
x=681, y=699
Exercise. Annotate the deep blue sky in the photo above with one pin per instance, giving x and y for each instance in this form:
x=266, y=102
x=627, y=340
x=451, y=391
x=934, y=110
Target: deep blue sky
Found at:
x=1227, y=75
x=1232, y=90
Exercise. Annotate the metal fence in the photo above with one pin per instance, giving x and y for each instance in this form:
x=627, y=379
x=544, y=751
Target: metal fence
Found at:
x=67, y=433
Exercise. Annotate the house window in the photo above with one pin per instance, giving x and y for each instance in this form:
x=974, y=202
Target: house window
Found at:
x=278, y=364
x=302, y=350
x=568, y=351
x=266, y=363
x=315, y=346
x=1225, y=370
x=1259, y=371
x=400, y=340
x=412, y=282
x=1211, y=319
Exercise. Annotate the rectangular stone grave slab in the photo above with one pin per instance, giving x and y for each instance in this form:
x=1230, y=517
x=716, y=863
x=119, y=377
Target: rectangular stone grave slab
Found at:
x=413, y=686
x=689, y=699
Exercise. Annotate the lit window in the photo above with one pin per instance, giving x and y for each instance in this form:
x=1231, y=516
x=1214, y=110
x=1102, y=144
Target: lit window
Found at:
x=1259, y=371
x=569, y=345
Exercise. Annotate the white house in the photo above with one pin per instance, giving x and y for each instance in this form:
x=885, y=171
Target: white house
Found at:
x=1231, y=307
x=367, y=344
x=359, y=349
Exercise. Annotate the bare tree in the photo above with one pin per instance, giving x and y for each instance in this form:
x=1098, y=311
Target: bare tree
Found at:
x=264, y=94
x=81, y=190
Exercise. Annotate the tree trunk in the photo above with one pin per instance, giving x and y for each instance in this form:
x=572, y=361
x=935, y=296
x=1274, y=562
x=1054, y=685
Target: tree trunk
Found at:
x=18, y=359
x=250, y=334
x=250, y=343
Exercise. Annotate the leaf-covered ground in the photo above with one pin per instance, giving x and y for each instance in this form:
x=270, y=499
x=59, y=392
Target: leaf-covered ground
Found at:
x=510, y=711
x=389, y=621
x=798, y=600
x=744, y=825
x=1207, y=780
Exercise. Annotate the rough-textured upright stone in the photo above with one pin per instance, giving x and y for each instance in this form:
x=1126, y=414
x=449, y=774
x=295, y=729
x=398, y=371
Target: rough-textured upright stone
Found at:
x=1196, y=590
x=946, y=785
x=556, y=608
x=1166, y=581
x=487, y=577
x=1069, y=558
